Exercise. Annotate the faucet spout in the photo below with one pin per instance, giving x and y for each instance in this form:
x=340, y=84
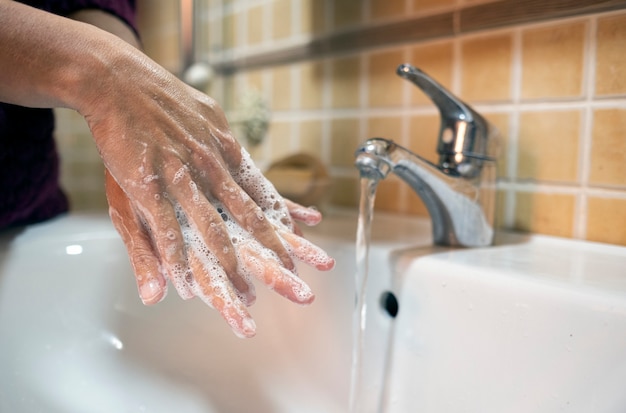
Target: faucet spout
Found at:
x=461, y=209
x=459, y=192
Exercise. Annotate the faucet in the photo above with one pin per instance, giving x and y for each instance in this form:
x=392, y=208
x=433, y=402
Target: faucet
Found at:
x=459, y=191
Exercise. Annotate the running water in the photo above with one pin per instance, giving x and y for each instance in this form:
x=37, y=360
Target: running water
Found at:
x=358, y=391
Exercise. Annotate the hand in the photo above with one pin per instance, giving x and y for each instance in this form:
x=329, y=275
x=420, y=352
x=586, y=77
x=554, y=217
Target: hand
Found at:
x=190, y=204
x=188, y=201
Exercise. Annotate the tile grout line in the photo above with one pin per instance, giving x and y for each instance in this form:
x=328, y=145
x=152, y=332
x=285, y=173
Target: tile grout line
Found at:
x=267, y=82
x=585, y=147
x=295, y=95
x=514, y=126
x=326, y=121
x=544, y=187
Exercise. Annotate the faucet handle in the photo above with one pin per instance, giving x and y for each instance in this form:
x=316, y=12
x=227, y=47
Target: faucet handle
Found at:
x=466, y=139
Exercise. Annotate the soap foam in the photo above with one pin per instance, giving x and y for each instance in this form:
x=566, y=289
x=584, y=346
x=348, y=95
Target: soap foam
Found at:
x=249, y=177
x=218, y=287
x=179, y=174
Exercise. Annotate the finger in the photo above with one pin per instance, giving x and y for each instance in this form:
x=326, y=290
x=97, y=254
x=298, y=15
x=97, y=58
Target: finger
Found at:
x=252, y=219
x=308, y=216
x=167, y=238
x=307, y=252
x=151, y=283
x=213, y=287
x=262, y=192
x=266, y=268
x=205, y=230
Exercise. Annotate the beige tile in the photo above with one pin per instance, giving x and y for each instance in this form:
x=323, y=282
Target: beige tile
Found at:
x=228, y=31
x=501, y=207
x=385, y=87
x=310, y=140
x=257, y=152
x=423, y=136
x=345, y=81
x=552, y=61
x=436, y=60
x=501, y=122
x=81, y=200
x=429, y=5
x=254, y=79
x=389, y=127
x=608, y=148
x=155, y=15
x=610, y=56
x=606, y=220
x=312, y=85
x=548, y=146
x=486, y=68
x=385, y=9
x=344, y=191
x=313, y=18
x=347, y=13
x=281, y=15
x=204, y=40
x=388, y=195
x=164, y=48
x=550, y=214
x=344, y=138
x=414, y=205
x=255, y=21
x=279, y=137
x=281, y=88
x=230, y=93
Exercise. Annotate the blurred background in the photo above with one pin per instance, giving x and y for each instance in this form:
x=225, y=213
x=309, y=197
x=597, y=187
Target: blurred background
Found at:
x=552, y=80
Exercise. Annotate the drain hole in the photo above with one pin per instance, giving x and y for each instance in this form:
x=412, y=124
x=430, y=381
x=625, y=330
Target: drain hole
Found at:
x=389, y=302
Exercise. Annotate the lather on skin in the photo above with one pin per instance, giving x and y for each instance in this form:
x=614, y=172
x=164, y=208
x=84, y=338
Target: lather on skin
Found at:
x=171, y=161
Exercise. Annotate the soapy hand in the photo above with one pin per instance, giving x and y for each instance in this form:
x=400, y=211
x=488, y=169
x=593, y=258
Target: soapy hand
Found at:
x=187, y=200
x=190, y=204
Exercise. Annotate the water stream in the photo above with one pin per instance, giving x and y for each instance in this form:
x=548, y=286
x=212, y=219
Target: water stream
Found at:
x=360, y=394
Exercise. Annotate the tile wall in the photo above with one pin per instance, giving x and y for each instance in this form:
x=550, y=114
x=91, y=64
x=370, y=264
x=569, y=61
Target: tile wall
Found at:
x=556, y=90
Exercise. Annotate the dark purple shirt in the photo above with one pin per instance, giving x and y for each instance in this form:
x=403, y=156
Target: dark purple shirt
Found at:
x=29, y=163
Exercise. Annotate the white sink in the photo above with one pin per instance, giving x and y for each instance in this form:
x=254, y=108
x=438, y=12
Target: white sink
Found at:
x=536, y=324
x=74, y=336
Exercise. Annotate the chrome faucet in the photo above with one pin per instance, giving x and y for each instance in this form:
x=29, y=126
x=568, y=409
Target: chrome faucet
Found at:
x=459, y=192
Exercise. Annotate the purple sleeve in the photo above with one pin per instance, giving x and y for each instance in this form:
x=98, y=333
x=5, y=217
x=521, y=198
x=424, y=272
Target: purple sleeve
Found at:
x=123, y=9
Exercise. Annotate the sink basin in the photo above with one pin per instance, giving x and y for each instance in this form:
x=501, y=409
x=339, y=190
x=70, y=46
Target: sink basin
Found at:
x=532, y=324
x=74, y=336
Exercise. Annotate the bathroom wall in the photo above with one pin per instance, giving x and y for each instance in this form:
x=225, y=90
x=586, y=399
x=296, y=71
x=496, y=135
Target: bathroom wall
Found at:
x=556, y=89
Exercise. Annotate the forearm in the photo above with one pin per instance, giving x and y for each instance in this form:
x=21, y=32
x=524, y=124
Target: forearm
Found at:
x=51, y=61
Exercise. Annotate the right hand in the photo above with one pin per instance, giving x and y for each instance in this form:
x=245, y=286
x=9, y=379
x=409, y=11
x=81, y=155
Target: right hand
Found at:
x=193, y=208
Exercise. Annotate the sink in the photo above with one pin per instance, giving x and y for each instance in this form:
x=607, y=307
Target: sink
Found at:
x=74, y=336
x=532, y=324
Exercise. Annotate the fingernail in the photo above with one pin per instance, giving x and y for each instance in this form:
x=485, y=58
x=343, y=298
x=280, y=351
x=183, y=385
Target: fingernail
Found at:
x=248, y=329
x=249, y=326
x=327, y=265
x=149, y=291
x=304, y=294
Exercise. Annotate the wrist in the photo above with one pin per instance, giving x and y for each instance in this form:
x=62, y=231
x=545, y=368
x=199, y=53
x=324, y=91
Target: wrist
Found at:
x=104, y=69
